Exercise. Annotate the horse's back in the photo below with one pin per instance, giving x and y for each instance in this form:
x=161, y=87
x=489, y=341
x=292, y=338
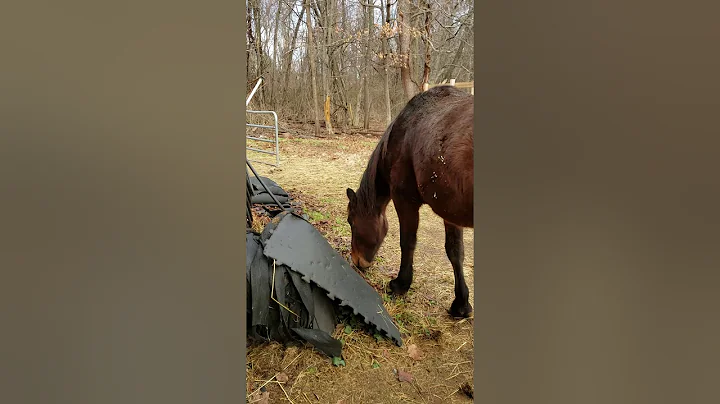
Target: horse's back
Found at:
x=436, y=143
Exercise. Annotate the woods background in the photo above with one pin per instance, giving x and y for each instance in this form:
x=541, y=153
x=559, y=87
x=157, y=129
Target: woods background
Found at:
x=351, y=63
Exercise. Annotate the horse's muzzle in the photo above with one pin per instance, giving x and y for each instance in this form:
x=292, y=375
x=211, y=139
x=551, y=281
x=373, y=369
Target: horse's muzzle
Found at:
x=359, y=261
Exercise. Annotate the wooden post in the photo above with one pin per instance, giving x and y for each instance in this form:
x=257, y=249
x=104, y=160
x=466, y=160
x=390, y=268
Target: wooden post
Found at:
x=426, y=86
x=452, y=82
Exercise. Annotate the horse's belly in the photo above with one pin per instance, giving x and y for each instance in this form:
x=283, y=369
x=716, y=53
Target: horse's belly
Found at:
x=451, y=205
x=459, y=215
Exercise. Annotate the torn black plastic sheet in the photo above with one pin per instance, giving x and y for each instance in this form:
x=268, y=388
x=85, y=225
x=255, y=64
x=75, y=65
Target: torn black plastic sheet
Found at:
x=282, y=306
x=272, y=185
x=261, y=196
x=292, y=241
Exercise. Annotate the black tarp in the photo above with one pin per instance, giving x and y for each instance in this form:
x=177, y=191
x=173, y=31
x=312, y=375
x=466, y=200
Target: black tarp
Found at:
x=296, y=280
x=310, y=280
x=249, y=192
x=313, y=317
x=292, y=241
x=261, y=196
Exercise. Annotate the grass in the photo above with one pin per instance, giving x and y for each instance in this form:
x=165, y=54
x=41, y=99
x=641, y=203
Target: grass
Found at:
x=317, y=171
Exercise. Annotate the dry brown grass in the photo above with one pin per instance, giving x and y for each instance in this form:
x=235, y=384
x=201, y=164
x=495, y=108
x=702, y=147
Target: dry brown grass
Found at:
x=317, y=171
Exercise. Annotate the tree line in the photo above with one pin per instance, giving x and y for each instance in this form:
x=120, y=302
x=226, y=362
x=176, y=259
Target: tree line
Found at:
x=351, y=63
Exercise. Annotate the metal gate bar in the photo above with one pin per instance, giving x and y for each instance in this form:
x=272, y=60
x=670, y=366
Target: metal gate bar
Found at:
x=275, y=141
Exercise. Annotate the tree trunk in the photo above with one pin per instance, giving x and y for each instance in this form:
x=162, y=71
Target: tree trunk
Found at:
x=339, y=89
x=386, y=62
x=426, y=38
x=405, y=63
x=251, y=43
x=311, y=56
x=275, y=69
x=366, y=75
x=291, y=51
x=356, y=113
x=259, y=50
x=326, y=67
x=450, y=70
x=343, y=78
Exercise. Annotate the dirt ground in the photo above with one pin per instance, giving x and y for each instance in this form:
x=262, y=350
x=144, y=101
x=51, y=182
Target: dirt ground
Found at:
x=437, y=350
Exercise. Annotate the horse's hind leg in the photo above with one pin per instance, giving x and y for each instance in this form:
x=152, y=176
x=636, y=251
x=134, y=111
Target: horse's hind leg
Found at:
x=409, y=218
x=455, y=249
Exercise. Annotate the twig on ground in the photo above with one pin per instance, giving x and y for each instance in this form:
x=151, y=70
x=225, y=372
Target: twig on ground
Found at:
x=456, y=390
x=271, y=379
x=286, y=394
x=457, y=374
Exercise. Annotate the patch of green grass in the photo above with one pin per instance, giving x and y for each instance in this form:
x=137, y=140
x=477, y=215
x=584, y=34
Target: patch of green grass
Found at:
x=329, y=201
x=315, y=216
x=341, y=228
x=341, y=231
x=408, y=322
x=428, y=328
x=407, y=317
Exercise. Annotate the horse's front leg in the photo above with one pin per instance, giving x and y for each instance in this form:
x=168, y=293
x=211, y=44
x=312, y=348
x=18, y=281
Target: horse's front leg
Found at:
x=455, y=250
x=409, y=218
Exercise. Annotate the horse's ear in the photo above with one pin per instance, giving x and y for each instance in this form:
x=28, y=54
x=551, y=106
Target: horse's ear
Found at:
x=351, y=195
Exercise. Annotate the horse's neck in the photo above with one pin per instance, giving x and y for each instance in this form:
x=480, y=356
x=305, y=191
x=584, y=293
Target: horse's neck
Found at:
x=377, y=189
x=377, y=200
x=382, y=186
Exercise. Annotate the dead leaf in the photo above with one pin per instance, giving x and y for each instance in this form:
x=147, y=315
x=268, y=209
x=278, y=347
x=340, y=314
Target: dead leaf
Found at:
x=264, y=398
x=289, y=355
x=404, y=376
x=414, y=352
x=386, y=354
x=282, y=377
x=467, y=388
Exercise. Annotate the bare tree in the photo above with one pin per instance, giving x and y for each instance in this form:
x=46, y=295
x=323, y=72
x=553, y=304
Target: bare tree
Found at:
x=360, y=66
x=313, y=68
x=370, y=10
x=406, y=62
x=385, y=35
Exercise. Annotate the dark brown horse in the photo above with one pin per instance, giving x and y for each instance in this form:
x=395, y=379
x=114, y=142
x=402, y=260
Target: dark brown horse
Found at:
x=424, y=157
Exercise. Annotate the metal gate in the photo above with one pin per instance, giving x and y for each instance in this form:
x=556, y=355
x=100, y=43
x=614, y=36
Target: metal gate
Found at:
x=274, y=127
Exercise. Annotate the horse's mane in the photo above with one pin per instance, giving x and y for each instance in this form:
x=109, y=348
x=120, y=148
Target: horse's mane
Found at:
x=372, y=179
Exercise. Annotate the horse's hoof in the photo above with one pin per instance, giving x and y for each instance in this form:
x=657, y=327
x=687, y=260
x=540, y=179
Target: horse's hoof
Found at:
x=460, y=310
x=397, y=288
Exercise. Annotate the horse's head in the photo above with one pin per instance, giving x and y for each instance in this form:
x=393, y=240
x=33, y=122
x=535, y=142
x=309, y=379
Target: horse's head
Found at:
x=368, y=231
